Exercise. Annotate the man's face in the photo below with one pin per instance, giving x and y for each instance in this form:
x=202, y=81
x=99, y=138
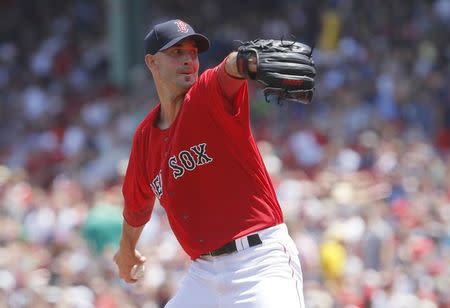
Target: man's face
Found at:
x=178, y=65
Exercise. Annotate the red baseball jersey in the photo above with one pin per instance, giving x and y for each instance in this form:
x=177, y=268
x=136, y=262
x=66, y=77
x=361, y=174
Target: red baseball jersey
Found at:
x=205, y=169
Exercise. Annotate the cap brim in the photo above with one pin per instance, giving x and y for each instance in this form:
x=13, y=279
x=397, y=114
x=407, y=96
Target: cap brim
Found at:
x=201, y=41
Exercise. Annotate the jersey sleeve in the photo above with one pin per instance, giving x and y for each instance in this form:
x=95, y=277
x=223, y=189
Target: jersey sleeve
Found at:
x=217, y=88
x=138, y=196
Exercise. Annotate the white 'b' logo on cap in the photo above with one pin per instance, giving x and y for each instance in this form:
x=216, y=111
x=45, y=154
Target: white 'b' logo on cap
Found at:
x=182, y=26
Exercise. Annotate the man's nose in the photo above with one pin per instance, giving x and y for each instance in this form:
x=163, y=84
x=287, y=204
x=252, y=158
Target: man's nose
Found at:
x=187, y=59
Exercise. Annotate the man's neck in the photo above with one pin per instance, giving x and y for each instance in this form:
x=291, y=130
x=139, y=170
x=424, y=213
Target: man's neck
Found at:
x=170, y=105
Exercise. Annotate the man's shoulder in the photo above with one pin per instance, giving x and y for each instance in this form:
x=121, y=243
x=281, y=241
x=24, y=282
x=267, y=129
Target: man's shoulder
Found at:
x=147, y=123
x=209, y=73
x=204, y=81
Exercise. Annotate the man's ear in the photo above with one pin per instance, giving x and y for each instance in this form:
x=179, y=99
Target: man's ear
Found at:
x=150, y=61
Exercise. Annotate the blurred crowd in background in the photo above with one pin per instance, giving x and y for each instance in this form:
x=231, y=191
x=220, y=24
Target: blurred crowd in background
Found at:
x=362, y=174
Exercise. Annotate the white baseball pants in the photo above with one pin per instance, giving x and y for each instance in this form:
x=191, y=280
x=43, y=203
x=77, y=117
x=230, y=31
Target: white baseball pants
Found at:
x=264, y=276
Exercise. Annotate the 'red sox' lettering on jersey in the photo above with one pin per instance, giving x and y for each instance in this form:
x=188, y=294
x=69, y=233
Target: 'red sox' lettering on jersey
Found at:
x=189, y=160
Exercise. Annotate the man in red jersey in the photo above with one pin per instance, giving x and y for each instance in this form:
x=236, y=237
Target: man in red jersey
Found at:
x=195, y=152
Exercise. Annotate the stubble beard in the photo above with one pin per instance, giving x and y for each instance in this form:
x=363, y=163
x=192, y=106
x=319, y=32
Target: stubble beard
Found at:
x=187, y=81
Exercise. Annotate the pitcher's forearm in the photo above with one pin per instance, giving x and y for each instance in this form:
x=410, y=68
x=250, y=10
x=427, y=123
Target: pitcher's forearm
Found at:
x=130, y=236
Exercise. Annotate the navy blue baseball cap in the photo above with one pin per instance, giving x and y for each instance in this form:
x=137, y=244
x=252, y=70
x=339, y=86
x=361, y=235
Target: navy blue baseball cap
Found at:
x=169, y=33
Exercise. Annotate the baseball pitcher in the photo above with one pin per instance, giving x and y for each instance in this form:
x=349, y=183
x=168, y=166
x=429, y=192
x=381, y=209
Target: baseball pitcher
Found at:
x=195, y=152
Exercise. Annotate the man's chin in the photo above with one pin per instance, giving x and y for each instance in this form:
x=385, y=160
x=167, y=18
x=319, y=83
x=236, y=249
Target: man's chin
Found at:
x=187, y=82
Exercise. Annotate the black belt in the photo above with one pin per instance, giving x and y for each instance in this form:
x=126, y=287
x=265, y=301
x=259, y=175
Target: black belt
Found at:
x=231, y=247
